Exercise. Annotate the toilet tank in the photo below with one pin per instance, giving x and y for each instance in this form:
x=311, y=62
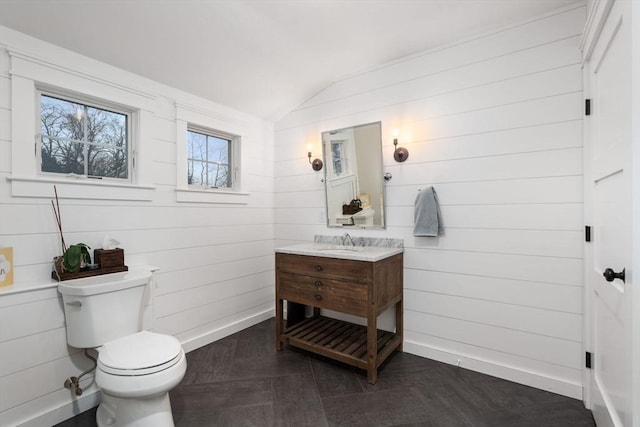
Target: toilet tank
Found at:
x=99, y=309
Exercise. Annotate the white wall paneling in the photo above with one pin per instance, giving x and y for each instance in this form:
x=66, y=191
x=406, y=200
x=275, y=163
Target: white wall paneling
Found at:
x=215, y=260
x=495, y=44
x=494, y=123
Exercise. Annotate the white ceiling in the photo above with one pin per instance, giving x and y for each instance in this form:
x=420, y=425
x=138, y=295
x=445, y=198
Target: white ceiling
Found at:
x=263, y=57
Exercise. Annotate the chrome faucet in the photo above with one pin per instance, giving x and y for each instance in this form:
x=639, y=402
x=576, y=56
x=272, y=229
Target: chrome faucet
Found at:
x=347, y=238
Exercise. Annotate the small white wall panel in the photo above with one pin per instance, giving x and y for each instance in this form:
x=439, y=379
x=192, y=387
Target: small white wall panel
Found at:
x=523, y=216
x=34, y=318
x=562, y=271
x=554, y=136
x=541, y=190
x=518, y=293
x=36, y=349
x=561, y=244
x=546, y=349
x=300, y=216
x=183, y=280
x=507, y=315
x=511, y=166
x=186, y=320
x=167, y=304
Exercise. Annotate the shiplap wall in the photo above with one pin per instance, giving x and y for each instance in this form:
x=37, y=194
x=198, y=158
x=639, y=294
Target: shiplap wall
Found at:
x=494, y=124
x=215, y=260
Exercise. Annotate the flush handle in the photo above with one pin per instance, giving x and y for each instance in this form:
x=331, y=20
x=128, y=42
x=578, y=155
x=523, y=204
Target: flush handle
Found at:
x=610, y=275
x=75, y=303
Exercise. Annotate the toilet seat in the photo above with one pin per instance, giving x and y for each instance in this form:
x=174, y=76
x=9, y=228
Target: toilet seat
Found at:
x=142, y=353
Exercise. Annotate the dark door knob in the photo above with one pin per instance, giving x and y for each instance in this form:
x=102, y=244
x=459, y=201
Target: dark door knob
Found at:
x=610, y=275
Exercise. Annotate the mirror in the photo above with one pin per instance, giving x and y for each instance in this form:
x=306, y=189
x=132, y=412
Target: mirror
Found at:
x=353, y=171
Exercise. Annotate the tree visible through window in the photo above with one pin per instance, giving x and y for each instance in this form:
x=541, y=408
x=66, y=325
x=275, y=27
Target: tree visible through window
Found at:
x=337, y=156
x=208, y=159
x=82, y=139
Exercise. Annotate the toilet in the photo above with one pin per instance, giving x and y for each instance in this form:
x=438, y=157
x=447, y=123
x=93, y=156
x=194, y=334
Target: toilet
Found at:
x=135, y=368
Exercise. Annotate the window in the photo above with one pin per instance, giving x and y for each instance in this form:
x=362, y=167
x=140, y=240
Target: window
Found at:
x=337, y=157
x=209, y=159
x=83, y=139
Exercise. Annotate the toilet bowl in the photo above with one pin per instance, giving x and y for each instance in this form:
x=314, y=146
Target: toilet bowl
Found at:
x=140, y=365
x=135, y=374
x=135, y=368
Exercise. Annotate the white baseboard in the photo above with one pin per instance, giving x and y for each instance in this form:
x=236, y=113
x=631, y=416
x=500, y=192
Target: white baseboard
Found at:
x=532, y=379
x=50, y=416
x=232, y=328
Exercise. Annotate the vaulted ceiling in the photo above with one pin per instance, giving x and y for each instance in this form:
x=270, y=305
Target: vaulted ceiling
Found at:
x=262, y=57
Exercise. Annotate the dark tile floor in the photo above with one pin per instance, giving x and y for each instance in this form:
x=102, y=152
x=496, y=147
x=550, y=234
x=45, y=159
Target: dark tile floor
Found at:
x=242, y=381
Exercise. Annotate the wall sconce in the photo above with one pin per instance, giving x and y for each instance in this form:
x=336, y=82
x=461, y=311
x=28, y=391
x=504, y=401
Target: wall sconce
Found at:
x=400, y=154
x=316, y=164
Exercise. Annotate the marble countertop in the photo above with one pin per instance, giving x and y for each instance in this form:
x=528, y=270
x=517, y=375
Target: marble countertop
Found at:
x=328, y=250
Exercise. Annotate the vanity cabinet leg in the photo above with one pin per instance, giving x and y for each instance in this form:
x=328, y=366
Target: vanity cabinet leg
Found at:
x=372, y=346
x=278, y=324
x=399, y=324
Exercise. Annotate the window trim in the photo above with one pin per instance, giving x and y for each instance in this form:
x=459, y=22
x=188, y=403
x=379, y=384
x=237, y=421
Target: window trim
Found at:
x=79, y=188
x=31, y=74
x=86, y=101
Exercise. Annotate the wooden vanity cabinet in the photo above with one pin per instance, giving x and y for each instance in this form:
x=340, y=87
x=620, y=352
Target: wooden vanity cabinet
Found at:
x=359, y=288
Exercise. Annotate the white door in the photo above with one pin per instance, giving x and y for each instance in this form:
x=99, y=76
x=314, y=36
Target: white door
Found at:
x=610, y=199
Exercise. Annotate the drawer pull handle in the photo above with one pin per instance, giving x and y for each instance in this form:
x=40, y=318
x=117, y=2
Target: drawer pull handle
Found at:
x=318, y=283
x=318, y=267
x=318, y=297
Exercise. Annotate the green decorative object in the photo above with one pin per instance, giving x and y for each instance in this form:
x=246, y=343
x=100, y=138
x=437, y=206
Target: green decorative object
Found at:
x=75, y=257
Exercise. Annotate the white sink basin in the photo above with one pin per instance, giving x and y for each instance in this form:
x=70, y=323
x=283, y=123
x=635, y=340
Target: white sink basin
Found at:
x=347, y=249
x=358, y=253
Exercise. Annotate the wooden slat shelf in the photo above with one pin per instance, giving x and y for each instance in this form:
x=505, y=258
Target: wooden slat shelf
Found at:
x=337, y=339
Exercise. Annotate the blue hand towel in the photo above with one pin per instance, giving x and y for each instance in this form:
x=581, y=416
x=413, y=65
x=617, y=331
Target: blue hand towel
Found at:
x=427, y=216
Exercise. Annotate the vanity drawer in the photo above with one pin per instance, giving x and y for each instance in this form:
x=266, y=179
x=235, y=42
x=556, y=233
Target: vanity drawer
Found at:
x=344, y=269
x=346, y=297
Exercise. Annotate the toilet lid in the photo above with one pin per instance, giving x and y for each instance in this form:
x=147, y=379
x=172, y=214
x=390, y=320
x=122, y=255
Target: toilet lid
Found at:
x=140, y=353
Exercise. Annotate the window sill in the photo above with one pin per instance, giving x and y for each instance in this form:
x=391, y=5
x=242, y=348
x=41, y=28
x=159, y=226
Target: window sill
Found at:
x=79, y=188
x=213, y=196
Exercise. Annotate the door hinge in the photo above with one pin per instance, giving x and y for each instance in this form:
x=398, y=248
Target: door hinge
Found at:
x=588, y=359
x=587, y=107
x=587, y=233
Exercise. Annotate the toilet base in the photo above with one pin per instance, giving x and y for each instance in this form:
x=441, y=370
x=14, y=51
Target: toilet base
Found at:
x=152, y=412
